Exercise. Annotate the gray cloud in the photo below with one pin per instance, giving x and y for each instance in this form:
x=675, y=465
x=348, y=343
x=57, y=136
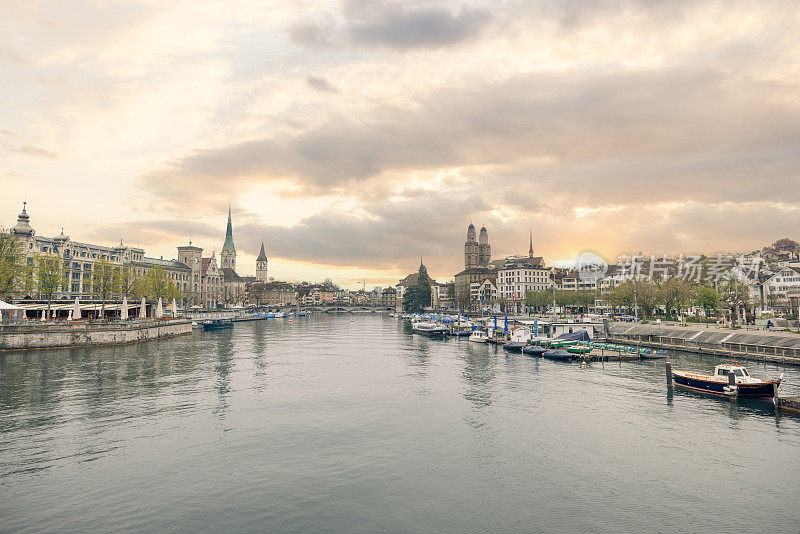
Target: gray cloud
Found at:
x=311, y=34
x=395, y=25
x=320, y=84
x=30, y=150
x=620, y=137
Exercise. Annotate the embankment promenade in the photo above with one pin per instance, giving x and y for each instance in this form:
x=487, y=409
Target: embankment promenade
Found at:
x=50, y=336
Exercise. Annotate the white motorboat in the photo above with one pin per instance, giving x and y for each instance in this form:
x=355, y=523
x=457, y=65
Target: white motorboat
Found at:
x=479, y=336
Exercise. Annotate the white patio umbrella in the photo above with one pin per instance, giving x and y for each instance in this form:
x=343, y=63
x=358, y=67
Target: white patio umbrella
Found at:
x=123, y=314
x=143, y=309
x=43, y=317
x=159, y=309
x=174, y=308
x=69, y=316
x=76, y=310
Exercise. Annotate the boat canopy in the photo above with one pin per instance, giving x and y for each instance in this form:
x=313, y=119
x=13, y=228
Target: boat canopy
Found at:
x=580, y=335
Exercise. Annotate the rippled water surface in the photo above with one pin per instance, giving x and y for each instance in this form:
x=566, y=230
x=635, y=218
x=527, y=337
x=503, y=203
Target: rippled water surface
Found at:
x=328, y=425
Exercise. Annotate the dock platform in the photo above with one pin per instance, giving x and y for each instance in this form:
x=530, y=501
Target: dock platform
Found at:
x=790, y=404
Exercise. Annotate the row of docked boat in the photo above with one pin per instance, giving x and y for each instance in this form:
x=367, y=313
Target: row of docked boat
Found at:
x=224, y=323
x=728, y=380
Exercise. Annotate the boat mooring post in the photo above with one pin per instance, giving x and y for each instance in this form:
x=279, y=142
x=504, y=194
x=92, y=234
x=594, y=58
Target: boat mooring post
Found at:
x=668, y=365
x=732, y=385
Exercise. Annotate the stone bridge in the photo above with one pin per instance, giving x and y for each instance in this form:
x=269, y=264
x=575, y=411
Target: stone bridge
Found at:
x=345, y=309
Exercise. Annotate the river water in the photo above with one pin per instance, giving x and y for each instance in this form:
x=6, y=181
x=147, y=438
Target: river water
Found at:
x=324, y=424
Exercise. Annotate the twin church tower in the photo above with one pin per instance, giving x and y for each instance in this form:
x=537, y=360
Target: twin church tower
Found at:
x=477, y=253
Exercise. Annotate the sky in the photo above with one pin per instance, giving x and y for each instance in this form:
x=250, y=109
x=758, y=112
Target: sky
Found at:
x=354, y=136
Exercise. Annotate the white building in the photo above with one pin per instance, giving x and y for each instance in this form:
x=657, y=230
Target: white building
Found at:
x=519, y=275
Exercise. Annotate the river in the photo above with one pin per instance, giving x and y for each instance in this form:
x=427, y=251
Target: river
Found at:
x=327, y=424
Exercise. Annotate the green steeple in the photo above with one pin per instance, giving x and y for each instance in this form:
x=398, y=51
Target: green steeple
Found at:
x=228, y=246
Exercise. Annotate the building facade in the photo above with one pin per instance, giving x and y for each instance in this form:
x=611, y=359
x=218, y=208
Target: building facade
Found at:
x=79, y=261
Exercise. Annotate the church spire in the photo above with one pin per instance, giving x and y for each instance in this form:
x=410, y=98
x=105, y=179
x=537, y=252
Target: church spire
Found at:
x=262, y=255
x=228, y=246
x=530, y=249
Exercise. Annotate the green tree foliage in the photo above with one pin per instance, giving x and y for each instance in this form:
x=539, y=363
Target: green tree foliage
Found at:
x=538, y=300
x=158, y=284
x=417, y=296
x=707, y=298
x=130, y=283
x=675, y=294
x=49, y=276
x=12, y=266
x=105, y=282
x=621, y=296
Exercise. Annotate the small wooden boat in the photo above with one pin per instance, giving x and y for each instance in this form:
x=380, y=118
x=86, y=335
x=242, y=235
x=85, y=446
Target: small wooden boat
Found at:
x=728, y=380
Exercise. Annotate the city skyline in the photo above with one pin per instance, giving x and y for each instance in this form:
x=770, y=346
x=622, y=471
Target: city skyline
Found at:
x=354, y=135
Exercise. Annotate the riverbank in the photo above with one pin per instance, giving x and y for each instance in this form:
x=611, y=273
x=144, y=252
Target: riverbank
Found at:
x=52, y=336
x=762, y=346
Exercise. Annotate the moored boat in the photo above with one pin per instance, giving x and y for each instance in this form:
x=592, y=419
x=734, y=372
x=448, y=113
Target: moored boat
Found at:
x=575, y=349
x=430, y=329
x=533, y=350
x=479, y=336
x=557, y=354
x=216, y=324
x=727, y=380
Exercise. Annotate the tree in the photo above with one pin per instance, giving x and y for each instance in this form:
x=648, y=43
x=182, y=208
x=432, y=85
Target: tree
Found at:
x=417, y=296
x=537, y=299
x=329, y=285
x=105, y=282
x=675, y=294
x=621, y=296
x=258, y=290
x=49, y=276
x=585, y=299
x=158, y=284
x=130, y=283
x=12, y=265
x=785, y=244
x=734, y=294
x=707, y=298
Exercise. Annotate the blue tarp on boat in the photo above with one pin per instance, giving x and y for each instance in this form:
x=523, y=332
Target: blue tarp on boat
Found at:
x=581, y=335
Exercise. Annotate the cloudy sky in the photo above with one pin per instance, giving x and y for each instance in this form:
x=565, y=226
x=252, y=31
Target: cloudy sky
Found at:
x=354, y=135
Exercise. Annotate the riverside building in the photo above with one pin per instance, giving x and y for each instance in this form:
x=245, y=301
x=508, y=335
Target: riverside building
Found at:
x=519, y=275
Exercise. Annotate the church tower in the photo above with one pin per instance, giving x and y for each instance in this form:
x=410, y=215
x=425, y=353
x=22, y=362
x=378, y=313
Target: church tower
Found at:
x=261, y=265
x=228, y=254
x=484, y=250
x=470, y=249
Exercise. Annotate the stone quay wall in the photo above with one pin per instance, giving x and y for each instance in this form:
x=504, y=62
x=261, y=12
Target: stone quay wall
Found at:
x=44, y=336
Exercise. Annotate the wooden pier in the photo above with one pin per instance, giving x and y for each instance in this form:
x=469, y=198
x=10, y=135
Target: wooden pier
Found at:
x=789, y=404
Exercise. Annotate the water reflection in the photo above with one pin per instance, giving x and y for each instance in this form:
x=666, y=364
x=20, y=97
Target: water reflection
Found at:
x=478, y=373
x=223, y=369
